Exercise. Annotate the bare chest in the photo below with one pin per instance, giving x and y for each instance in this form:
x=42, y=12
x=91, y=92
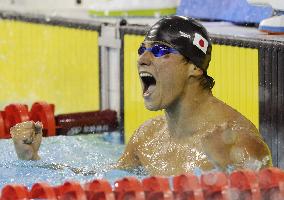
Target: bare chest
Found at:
x=163, y=156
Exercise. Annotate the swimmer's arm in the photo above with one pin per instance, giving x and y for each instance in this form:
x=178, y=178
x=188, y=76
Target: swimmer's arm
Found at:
x=129, y=159
x=256, y=154
x=25, y=151
x=248, y=151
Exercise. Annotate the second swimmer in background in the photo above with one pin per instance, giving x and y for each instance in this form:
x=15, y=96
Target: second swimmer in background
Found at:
x=198, y=130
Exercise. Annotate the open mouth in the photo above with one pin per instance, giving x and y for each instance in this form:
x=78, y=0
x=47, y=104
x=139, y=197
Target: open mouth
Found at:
x=149, y=83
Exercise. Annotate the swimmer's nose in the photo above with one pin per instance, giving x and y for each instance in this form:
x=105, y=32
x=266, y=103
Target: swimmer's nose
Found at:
x=145, y=59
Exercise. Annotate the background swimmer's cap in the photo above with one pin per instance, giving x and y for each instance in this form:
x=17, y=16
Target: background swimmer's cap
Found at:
x=186, y=35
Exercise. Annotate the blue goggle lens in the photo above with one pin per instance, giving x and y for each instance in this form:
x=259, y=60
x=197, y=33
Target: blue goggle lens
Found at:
x=157, y=50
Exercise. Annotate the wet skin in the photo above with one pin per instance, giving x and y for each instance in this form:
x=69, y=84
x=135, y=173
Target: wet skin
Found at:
x=27, y=139
x=197, y=130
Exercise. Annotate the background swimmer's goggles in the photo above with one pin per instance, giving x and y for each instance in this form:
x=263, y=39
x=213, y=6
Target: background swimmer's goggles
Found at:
x=157, y=50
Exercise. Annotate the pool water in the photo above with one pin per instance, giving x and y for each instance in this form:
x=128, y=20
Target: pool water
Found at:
x=63, y=158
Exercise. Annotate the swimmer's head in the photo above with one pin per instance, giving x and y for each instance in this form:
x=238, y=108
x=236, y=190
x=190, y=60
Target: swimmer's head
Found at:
x=188, y=37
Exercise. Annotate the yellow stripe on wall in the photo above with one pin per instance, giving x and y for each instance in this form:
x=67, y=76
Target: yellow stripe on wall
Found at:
x=135, y=112
x=56, y=64
x=235, y=70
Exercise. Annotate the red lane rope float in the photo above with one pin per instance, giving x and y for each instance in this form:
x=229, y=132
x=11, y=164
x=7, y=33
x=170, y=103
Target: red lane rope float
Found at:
x=270, y=177
x=15, y=113
x=187, y=186
x=215, y=186
x=3, y=132
x=42, y=191
x=247, y=183
x=15, y=192
x=129, y=188
x=99, y=189
x=281, y=188
x=270, y=183
x=70, y=190
x=44, y=112
x=157, y=188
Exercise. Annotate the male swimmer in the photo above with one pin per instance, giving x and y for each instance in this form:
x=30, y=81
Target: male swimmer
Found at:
x=198, y=130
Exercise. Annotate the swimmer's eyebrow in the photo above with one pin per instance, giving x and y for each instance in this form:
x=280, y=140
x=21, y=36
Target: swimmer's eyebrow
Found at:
x=152, y=43
x=148, y=44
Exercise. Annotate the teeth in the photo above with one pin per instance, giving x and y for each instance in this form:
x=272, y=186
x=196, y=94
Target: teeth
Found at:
x=145, y=74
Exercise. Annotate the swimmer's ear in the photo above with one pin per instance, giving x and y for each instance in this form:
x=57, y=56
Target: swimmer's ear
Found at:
x=193, y=70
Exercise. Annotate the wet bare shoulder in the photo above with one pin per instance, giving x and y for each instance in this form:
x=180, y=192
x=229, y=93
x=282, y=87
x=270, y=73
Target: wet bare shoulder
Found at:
x=256, y=151
x=237, y=146
x=224, y=114
x=149, y=128
x=130, y=158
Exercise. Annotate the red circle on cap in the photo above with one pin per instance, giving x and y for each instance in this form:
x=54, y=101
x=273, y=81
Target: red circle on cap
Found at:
x=201, y=43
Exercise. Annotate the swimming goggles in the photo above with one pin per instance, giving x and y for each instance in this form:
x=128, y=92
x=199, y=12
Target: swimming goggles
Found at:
x=157, y=50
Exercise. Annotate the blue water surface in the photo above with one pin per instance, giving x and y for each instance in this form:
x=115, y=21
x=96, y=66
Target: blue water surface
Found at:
x=63, y=158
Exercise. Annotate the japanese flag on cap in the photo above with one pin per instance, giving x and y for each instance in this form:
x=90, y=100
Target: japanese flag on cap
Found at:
x=200, y=42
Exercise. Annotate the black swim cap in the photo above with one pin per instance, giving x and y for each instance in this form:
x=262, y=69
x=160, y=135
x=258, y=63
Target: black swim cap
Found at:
x=186, y=35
